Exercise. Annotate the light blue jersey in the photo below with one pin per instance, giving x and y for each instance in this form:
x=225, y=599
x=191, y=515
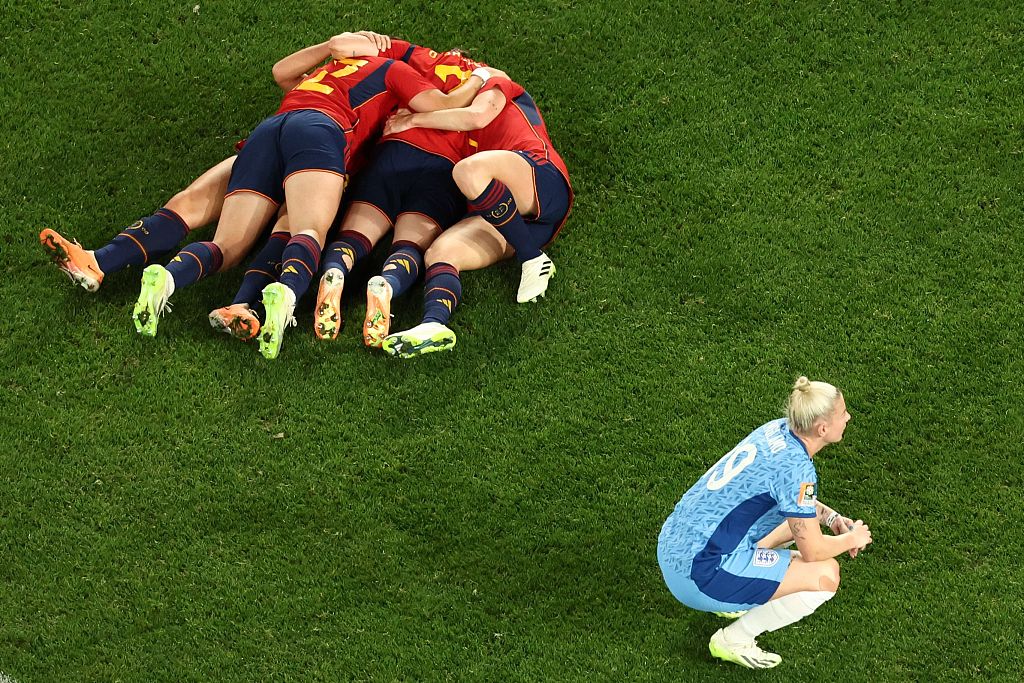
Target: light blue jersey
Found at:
x=709, y=541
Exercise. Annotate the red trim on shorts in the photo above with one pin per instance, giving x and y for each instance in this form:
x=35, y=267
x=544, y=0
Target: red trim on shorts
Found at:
x=344, y=176
x=234, y=192
x=437, y=226
x=372, y=206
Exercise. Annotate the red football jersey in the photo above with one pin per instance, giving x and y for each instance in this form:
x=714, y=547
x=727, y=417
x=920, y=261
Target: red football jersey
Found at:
x=447, y=71
x=518, y=128
x=358, y=94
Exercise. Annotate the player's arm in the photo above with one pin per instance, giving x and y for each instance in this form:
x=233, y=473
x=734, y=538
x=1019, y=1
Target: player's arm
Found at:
x=827, y=517
x=484, y=108
x=434, y=100
x=290, y=71
x=815, y=546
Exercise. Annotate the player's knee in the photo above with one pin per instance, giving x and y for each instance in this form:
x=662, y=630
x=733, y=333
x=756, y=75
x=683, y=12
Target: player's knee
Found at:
x=469, y=173
x=439, y=253
x=189, y=205
x=231, y=252
x=828, y=580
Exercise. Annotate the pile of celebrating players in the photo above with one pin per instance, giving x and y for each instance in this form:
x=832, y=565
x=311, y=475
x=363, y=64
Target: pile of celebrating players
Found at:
x=373, y=135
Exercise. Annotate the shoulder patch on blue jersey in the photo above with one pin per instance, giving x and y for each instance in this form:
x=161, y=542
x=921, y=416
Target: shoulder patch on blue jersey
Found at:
x=765, y=557
x=806, y=497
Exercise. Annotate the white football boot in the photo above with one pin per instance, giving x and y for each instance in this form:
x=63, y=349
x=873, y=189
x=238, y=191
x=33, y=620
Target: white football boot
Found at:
x=534, y=280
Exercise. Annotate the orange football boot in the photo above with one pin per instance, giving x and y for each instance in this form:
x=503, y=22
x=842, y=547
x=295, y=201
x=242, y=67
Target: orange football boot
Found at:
x=378, y=312
x=328, y=315
x=237, y=320
x=75, y=261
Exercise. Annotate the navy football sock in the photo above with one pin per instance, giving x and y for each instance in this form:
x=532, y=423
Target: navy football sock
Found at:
x=497, y=206
x=264, y=269
x=441, y=293
x=403, y=266
x=195, y=262
x=142, y=241
x=300, y=259
x=349, y=243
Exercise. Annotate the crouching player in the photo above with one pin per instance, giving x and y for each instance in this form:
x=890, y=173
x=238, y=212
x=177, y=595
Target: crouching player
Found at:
x=719, y=551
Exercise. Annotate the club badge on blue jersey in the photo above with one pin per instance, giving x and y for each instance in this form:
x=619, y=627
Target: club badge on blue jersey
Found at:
x=765, y=557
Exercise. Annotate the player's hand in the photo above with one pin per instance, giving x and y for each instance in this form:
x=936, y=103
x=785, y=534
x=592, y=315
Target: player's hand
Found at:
x=840, y=525
x=398, y=123
x=496, y=73
x=381, y=41
x=861, y=536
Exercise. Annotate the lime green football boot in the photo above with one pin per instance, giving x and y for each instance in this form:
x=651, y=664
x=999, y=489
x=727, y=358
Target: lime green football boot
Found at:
x=748, y=654
x=279, y=302
x=424, y=338
x=157, y=287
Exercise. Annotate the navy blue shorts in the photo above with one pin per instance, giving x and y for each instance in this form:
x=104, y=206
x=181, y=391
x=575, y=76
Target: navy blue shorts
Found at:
x=304, y=140
x=554, y=198
x=404, y=179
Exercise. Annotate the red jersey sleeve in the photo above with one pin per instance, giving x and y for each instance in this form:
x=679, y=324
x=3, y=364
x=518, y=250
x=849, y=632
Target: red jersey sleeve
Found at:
x=399, y=50
x=509, y=89
x=405, y=83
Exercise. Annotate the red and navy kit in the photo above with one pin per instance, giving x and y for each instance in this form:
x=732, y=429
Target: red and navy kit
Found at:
x=358, y=94
x=520, y=128
x=401, y=179
x=324, y=122
x=411, y=172
x=447, y=71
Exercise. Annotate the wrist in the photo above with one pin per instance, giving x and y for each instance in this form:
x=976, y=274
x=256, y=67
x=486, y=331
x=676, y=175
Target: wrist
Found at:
x=481, y=73
x=830, y=520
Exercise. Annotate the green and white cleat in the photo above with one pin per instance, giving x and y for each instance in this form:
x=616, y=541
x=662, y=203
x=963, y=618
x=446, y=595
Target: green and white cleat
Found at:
x=730, y=615
x=424, y=338
x=157, y=287
x=748, y=655
x=279, y=302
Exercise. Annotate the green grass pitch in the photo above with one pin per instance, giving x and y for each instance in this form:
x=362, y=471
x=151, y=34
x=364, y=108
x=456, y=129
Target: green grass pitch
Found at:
x=765, y=189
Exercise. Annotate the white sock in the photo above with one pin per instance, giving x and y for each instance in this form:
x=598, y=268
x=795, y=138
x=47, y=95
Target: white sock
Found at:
x=775, y=614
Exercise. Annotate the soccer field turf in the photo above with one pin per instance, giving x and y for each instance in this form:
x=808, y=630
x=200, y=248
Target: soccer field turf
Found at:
x=763, y=190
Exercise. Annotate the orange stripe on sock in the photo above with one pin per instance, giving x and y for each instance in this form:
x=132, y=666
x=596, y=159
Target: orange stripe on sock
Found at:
x=201, y=269
x=297, y=261
x=442, y=289
x=261, y=272
x=139, y=245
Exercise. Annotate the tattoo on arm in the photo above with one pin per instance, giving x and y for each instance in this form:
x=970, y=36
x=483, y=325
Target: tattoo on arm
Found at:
x=799, y=528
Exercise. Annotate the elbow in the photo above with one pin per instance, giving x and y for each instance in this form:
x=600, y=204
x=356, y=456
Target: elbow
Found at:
x=479, y=119
x=280, y=77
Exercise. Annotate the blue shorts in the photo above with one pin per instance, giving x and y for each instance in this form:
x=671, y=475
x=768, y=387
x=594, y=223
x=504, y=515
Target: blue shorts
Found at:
x=404, y=179
x=554, y=198
x=303, y=140
x=744, y=578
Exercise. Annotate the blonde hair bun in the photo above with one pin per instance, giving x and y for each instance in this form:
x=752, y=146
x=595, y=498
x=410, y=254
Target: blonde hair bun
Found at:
x=809, y=402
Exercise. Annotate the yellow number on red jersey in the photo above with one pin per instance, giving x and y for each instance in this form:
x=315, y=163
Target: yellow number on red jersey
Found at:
x=314, y=84
x=443, y=71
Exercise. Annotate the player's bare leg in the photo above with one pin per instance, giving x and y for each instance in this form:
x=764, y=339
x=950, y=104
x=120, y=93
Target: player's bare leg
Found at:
x=362, y=219
x=313, y=198
x=804, y=588
x=474, y=175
